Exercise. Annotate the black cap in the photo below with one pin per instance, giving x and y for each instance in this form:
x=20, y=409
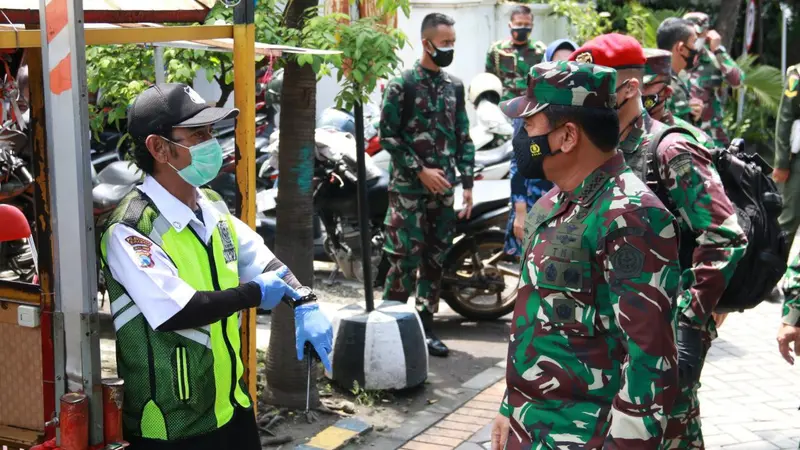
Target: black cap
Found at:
x=172, y=105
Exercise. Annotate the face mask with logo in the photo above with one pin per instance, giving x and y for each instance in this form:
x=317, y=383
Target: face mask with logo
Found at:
x=529, y=152
x=520, y=34
x=205, y=165
x=442, y=57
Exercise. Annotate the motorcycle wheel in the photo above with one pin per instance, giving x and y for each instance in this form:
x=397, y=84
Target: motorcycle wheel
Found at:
x=477, y=259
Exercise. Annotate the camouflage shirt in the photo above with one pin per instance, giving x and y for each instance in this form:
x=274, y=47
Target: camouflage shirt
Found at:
x=436, y=135
x=705, y=82
x=695, y=189
x=791, y=288
x=788, y=112
x=512, y=63
x=678, y=104
x=699, y=135
x=592, y=359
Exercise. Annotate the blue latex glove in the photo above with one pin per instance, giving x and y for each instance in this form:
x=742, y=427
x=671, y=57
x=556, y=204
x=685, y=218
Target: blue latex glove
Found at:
x=273, y=288
x=312, y=326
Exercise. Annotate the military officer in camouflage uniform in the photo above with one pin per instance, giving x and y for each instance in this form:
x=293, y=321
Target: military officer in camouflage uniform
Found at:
x=789, y=332
x=712, y=240
x=787, y=163
x=679, y=37
x=657, y=92
x=714, y=66
x=591, y=360
x=426, y=152
x=512, y=59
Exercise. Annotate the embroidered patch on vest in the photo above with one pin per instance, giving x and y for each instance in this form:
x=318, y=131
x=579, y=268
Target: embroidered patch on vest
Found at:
x=228, y=249
x=564, y=309
x=143, y=249
x=627, y=262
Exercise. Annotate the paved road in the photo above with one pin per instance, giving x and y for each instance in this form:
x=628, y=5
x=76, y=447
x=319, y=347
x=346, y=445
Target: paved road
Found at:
x=749, y=398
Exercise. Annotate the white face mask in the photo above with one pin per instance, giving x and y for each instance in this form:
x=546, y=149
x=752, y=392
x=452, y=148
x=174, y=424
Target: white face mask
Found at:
x=699, y=44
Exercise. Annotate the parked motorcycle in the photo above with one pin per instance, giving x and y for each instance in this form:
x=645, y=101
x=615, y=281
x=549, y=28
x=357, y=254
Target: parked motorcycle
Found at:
x=479, y=281
x=17, y=260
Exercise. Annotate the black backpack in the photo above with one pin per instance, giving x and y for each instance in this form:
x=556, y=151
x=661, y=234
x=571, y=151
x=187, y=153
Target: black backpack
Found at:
x=758, y=204
x=410, y=93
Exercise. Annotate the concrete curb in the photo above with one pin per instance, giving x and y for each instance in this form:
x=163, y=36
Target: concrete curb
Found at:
x=337, y=435
x=422, y=420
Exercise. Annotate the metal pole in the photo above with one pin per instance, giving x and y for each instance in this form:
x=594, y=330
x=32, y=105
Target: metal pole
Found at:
x=784, y=24
x=244, y=96
x=64, y=69
x=158, y=62
x=363, y=207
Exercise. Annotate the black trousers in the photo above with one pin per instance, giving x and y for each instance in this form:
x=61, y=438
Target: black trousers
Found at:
x=241, y=433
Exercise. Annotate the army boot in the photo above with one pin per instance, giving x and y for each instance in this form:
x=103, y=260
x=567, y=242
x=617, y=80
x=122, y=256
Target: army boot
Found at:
x=435, y=346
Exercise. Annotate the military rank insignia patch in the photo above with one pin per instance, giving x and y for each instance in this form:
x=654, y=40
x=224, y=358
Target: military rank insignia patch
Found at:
x=585, y=57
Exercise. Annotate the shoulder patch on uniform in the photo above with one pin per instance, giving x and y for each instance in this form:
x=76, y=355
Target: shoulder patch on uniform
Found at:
x=792, y=83
x=627, y=262
x=584, y=57
x=540, y=47
x=681, y=164
x=143, y=249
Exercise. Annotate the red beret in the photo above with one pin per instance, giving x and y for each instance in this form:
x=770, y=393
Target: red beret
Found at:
x=614, y=50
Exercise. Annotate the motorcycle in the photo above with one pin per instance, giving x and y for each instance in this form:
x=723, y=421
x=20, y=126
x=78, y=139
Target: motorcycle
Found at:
x=17, y=257
x=479, y=281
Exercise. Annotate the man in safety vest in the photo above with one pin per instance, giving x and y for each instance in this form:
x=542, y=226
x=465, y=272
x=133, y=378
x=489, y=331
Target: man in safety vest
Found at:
x=179, y=268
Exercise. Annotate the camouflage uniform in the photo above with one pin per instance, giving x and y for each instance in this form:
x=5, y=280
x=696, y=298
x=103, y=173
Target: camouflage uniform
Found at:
x=419, y=225
x=788, y=112
x=705, y=81
x=678, y=104
x=591, y=363
x=511, y=63
x=703, y=210
x=659, y=64
x=791, y=288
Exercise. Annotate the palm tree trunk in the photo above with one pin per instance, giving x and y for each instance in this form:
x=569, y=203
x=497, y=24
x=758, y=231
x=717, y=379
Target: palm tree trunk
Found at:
x=285, y=375
x=726, y=21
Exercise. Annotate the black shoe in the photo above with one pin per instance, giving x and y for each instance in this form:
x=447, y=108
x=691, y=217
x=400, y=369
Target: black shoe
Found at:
x=435, y=346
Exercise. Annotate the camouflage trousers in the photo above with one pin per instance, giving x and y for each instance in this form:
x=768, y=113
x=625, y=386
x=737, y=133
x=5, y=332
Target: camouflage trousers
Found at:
x=419, y=231
x=684, y=430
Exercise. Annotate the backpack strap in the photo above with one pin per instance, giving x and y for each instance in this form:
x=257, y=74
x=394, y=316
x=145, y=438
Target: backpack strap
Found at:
x=409, y=94
x=459, y=87
x=653, y=174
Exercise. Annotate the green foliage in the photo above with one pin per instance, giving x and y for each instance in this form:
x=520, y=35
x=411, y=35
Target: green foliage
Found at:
x=763, y=89
x=365, y=397
x=369, y=52
x=642, y=22
x=584, y=18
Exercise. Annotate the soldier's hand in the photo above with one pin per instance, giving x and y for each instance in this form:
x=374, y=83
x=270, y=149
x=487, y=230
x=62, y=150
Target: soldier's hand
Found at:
x=780, y=175
x=789, y=339
x=467, y=211
x=697, y=108
x=519, y=226
x=500, y=429
x=719, y=318
x=714, y=40
x=434, y=180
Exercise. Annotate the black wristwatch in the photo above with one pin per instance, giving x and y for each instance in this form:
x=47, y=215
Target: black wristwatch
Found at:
x=306, y=296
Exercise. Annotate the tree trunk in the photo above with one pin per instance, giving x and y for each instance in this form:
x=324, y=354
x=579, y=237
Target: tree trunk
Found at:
x=225, y=92
x=726, y=21
x=285, y=375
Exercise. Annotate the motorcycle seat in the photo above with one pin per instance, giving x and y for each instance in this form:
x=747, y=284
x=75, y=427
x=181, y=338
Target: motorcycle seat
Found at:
x=487, y=195
x=114, y=182
x=378, y=192
x=494, y=156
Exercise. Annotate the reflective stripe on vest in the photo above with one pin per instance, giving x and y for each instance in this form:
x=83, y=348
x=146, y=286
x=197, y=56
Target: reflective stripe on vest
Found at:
x=183, y=366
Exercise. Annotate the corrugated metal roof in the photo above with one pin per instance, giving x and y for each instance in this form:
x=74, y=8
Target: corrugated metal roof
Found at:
x=117, y=11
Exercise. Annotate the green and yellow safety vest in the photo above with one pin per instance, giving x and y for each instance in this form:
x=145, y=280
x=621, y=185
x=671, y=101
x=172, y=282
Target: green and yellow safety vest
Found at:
x=183, y=383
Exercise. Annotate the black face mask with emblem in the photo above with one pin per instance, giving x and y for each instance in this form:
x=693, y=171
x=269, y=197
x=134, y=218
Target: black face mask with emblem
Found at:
x=529, y=152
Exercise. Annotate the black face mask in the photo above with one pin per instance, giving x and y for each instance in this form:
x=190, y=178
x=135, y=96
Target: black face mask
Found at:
x=520, y=34
x=690, y=60
x=529, y=152
x=442, y=57
x=651, y=102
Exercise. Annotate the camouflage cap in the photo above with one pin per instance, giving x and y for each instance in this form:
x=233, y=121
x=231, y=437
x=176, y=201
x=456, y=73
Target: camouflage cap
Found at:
x=659, y=62
x=699, y=20
x=566, y=83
